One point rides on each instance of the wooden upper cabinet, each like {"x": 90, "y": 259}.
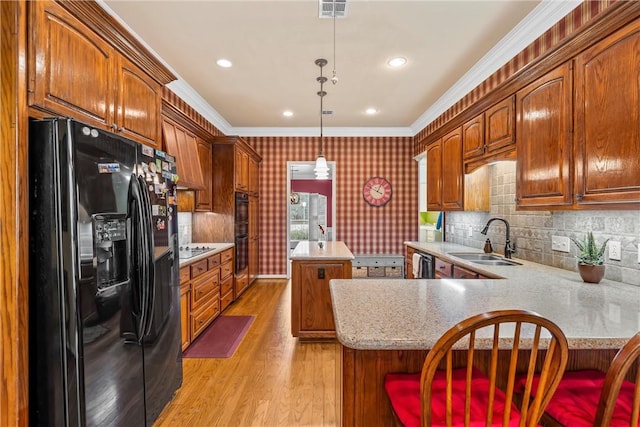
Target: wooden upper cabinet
{"x": 183, "y": 146}
{"x": 139, "y": 101}
{"x": 544, "y": 147}
{"x": 76, "y": 73}
{"x": 71, "y": 69}
{"x": 473, "y": 137}
{"x": 434, "y": 175}
{"x": 500, "y": 126}
{"x": 242, "y": 170}
{"x": 204, "y": 198}
{"x": 607, "y": 134}
{"x": 452, "y": 171}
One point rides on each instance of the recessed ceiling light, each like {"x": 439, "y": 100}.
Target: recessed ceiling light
{"x": 287, "y": 113}
{"x": 224, "y": 63}
{"x": 397, "y": 62}
{"x": 371, "y": 111}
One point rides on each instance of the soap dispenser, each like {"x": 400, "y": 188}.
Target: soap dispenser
{"x": 487, "y": 247}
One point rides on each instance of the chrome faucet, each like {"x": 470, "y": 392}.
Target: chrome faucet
{"x": 508, "y": 247}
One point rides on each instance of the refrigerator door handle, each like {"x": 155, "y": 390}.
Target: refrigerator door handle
{"x": 137, "y": 259}
{"x": 149, "y": 258}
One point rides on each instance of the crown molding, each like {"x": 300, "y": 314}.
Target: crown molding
{"x": 545, "y": 15}
{"x": 327, "y": 132}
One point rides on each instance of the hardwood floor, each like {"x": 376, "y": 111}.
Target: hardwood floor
{"x": 271, "y": 380}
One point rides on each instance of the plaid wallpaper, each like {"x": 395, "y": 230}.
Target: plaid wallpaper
{"x": 553, "y": 37}
{"x": 364, "y": 229}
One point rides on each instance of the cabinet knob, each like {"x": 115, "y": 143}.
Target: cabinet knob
{"x": 579, "y": 196}
{"x": 516, "y": 199}
{"x": 113, "y": 126}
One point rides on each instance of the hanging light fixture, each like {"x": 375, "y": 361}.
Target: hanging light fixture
{"x": 334, "y": 77}
{"x": 321, "y": 169}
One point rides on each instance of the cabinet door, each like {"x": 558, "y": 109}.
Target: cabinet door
{"x": 543, "y": 129}
{"x": 204, "y": 197}
{"x": 185, "y": 310}
{"x": 71, "y": 69}
{"x": 452, "y": 172}
{"x": 607, "y": 121}
{"x": 500, "y": 126}
{"x": 316, "y": 312}
{"x": 473, "y": 137}
{"x": 139, "y": 100}
{"x": 434, "y": 176}
{"x": 242, "y": 170}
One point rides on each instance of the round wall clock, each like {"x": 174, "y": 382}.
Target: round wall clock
{"x": 377, "y": 191}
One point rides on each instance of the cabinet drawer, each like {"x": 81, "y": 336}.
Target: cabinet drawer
{"x": 197, "y": 268}
{"x": 242, "y": 282}
{"x": 463, "y": 273}
{"x": 213, "y": 261}
{"x": 185, "y": 274}
{"x": 226, "y": 255}
{"x": 226, "y": 299}
{"x": 203, "y": 288}
{"x": 201, "y": 319}
{"x": 226, "y": 270}
{"x": 226, "y": 285}
{"x": 444, "y": 268}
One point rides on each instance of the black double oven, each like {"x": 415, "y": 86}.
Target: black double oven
{"x": 242, "y": 231}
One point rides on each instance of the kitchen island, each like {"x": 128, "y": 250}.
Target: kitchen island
{"x": 312, "y": 267}
{"x": 389, "y": 325}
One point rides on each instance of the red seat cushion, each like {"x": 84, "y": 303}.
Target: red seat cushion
{"x": 404, "y": 393}
{"x": 576, "y": 399}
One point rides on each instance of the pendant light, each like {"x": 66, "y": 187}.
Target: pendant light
{"x": 321, "y": 169}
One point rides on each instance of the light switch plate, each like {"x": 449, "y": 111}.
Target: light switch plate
{"x": 470, "y": 231}
{"x": 560, "y": 243}
{"x": 615, "y": 250}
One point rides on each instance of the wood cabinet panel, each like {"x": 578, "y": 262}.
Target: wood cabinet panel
{"x": 241, "y": 284}
{"x": 198, "y": 268}
{"x": 607, "y": 133}
{"x": 204, "y": 197}
{"x": 408, "y": 263}
{"x": 452, "y": 171}
{"x": 254, "y": 176}
{"x": 434, "y": 176}
{"x": 473, "y": 137}
{"x": 201, "y": 319}
{"x": 71, "y": 68}
{"x": 205, "y": 288}
{"x": 311, "y": 308}
{"x": 183, "y": 146}
{"x": 138, "y": 104}
{"x": 443, "y": 269}
{"x": 226, "y": 255}
{"x": 500, "y": 125}
{"x": 463, "y": 273}
{"x": 242, "y": 170}
{"x": 185, "y": 310}
{"x": 544, "y": 146}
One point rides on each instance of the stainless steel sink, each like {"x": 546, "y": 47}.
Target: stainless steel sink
{"x": 483, "y": 259}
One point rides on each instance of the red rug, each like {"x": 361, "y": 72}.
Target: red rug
{"x": 221, "y": 338}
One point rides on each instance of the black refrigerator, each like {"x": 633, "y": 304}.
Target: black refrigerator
{"x": 104, "y": 295}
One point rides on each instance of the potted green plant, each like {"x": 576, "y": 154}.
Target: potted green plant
{"x": 590, "y": 258}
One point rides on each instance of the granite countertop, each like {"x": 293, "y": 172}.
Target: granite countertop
{"x": 412, "y": 314}
{"x": 306, "y": 250}
{"x": 219, "y": 247}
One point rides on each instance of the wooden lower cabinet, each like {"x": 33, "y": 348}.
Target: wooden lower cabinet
{"x": 443, "y": 269}
{"x": 206, "y": 289}
{"x": 242, "y": 283}
{"x": 311, "y": 308}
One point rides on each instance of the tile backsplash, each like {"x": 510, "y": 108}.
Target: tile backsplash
{"x": 532, "y": 230}
{"x": 184, "y": 227}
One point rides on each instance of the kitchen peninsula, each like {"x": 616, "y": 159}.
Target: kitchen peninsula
{"x": 389, "y": 325}
{"x": 313, "y": 266}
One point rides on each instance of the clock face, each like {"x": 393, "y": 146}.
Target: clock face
{"x": 377, "y": 191}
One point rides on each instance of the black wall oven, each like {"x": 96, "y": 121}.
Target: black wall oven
{"x": 242, "y": 231}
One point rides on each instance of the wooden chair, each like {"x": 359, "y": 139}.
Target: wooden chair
{"x": 457, "y": 396}
{"x": 592, "y": 398}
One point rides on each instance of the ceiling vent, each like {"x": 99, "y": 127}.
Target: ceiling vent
{"x": 325, "y": 8}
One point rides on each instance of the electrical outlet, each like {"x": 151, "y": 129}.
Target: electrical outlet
{"x": 470, "y": 231}
{"x": 615, "y": 250}
{"x": 560, "y": 243}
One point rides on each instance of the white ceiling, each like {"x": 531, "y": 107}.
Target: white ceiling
{"x": 451, "y": 46}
